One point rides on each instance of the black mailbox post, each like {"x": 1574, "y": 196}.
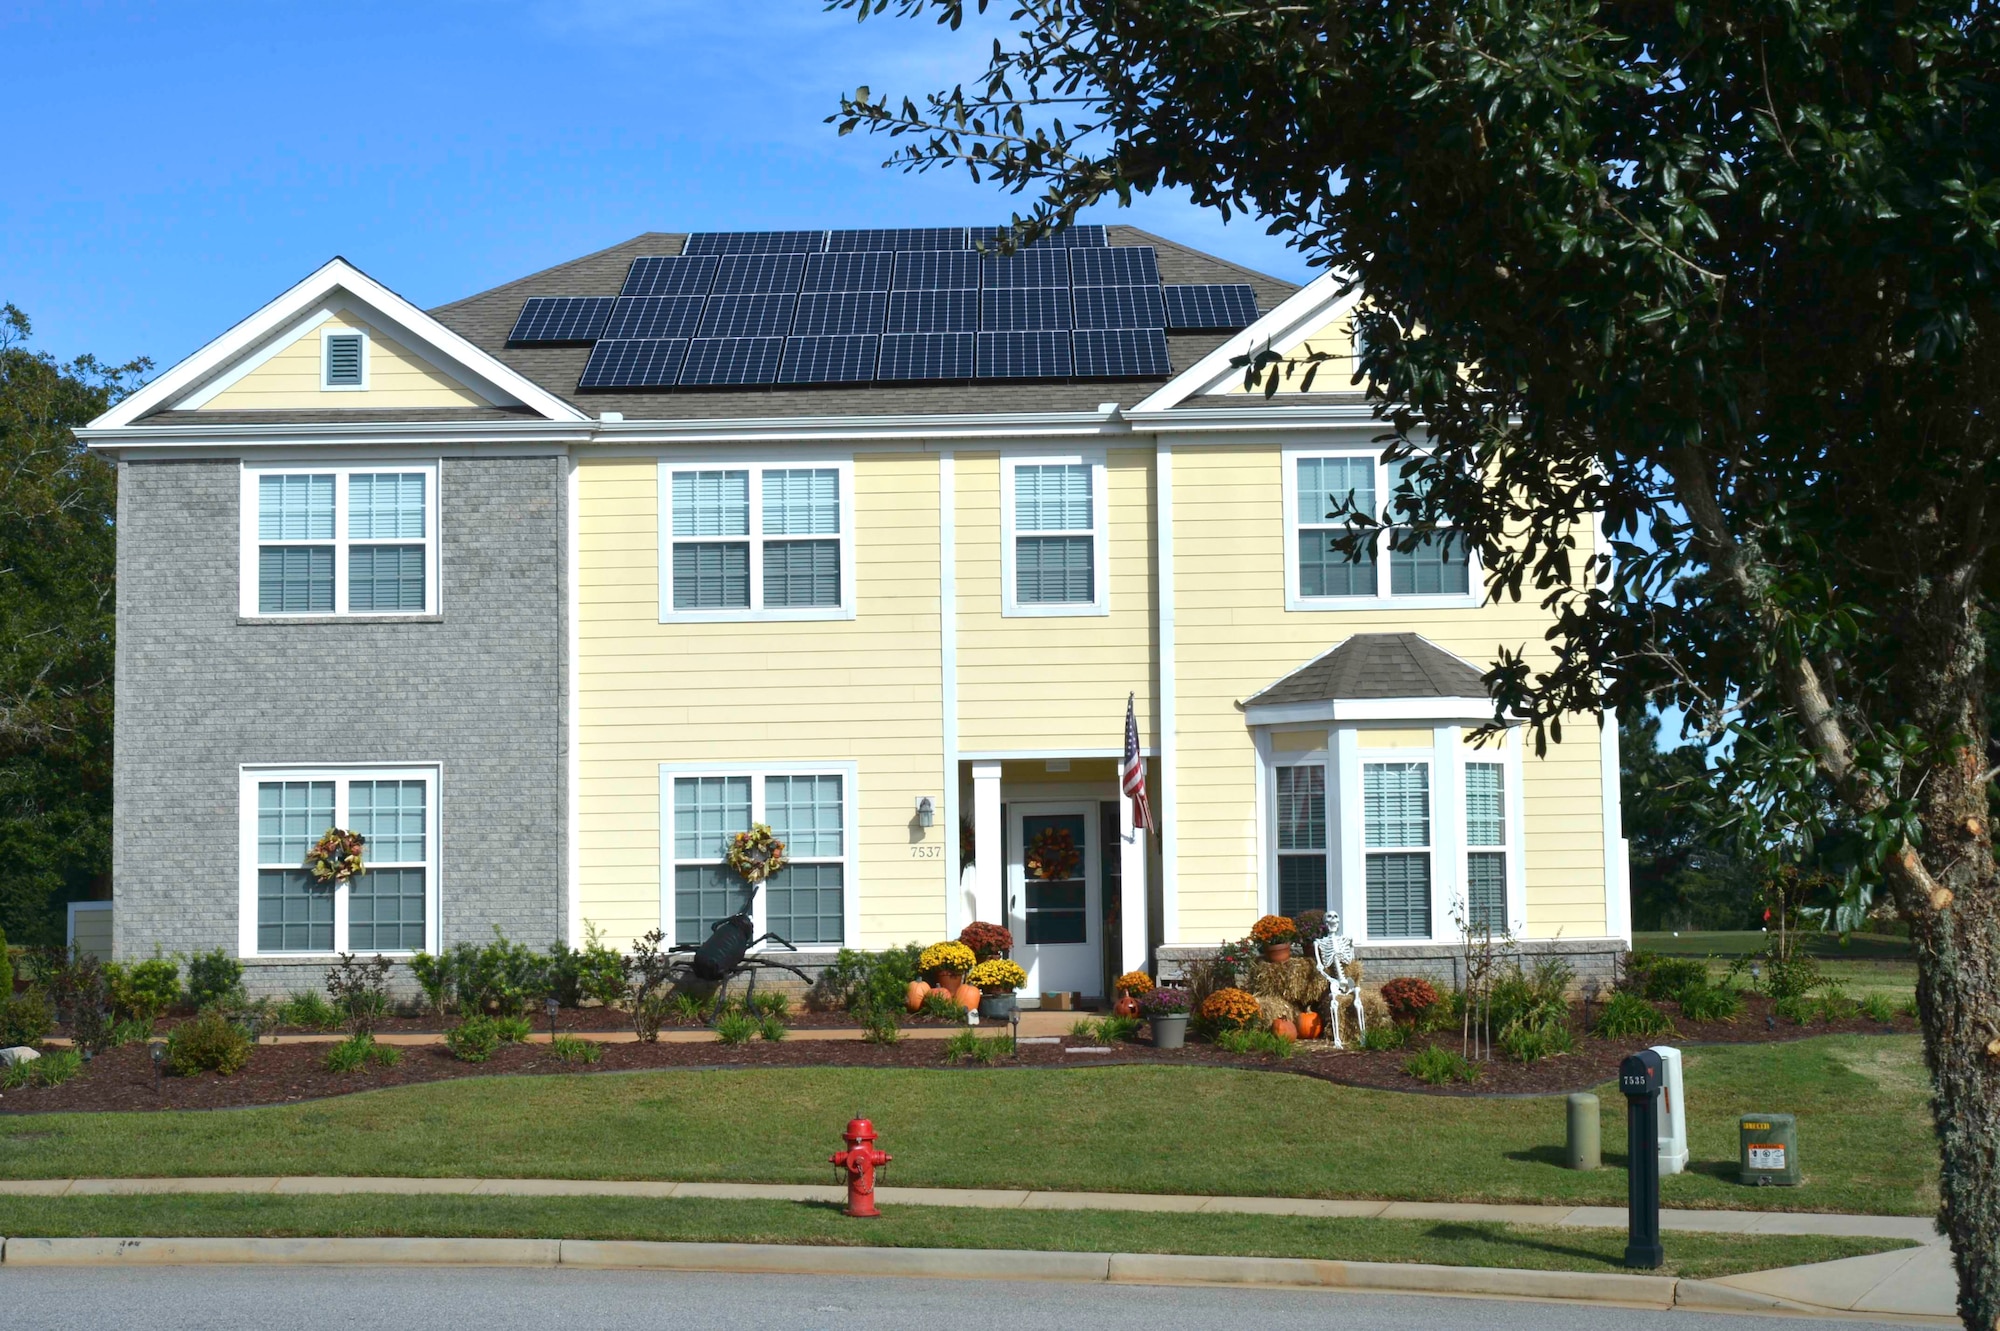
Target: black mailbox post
{"x": 1639, "y": 1079}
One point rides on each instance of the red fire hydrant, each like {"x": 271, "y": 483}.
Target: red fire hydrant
{"x": 860, "y": 1160}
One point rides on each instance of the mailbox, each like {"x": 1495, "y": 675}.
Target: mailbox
{"x": 1768, "y": 1146}
{"x": 1640, "y": 1081}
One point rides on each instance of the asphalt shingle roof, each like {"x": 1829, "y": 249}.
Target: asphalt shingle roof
{"x": 1377, "y": 665}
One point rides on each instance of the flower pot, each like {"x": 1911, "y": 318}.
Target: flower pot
{"x": 1278, "y": 952}
{"x": 997, "y": 1007}
{"x": 1170, "y": 1030}
{"x": 947, "y": 982}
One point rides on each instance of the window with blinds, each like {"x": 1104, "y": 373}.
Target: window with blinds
{"x": 1486, "y": 846}
{"x": 1328, "y": 493}
{"x": 1054, "y": 562}
{"x": 1299, "y": 801}
{"x": 341, "y": 541}
{"x": 1396, "y": 839}
{"x": 388, "y": 906}
{"x": 804, "y": 902}
{"x": 746, "y": 540}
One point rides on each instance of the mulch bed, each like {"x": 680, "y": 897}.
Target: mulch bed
{"x": 124, "y": 1078}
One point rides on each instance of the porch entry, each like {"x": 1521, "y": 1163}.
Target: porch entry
{"x": 1057, "y": 922}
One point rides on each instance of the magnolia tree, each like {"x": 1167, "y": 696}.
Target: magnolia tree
{"x": 1722, "y": 273}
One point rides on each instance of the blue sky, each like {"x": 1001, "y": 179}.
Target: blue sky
{"x": 175, "y": 166}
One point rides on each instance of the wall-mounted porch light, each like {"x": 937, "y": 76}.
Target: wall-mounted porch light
{"x": 926, "y": 811}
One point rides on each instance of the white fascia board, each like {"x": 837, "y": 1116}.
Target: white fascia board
{"x": 1304, "y": 311}
{"x": 336, "y": 275}
{"x": 1336, "y": 710}
{"x": 972, "y": 425}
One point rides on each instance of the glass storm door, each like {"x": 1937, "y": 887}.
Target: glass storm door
{"x": 1055, "y": 920}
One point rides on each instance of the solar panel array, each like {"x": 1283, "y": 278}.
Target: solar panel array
{"x": 901, "y": 305}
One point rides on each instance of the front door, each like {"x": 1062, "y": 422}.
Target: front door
{"x": 1056, "y": 918}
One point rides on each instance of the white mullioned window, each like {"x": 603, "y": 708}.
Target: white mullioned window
{"x": 391, "y": 907}
{"x": 1396, "y": 841}
{"x": 1299, "y": 801}
{"x": 340, "y": 540}
{"x": 756, "y": 540}
{"x": 1054, "y": 556}
{"x": 1323, "y": 489}
{"x": 1486, "y": 845}
{"x": 809, "y": 902}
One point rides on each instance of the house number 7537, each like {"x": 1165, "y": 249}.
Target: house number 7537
{"x": 926, "y": 852}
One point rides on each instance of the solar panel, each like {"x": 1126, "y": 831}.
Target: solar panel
{"x": 755, "y": 242}
{"x": 1211, "y": 306}
{"x": 747, "y": 316}
{"x": 548, "y": 319}
{"x": 1121, "y": 353}
{"x": 1125, "y": 266}
{"x": 1024, "y": 308}
{"x": 1075, "y": 237}
{"x": 828, "y": 312}
{"x": 828, "y": 360}
{"x": 866, "y": 270}
{"x": 936, "y": 270}
{"x": 926, "y": 356}
{"x": 1120, "y": 307}
{"x": 634, "y": 363}
{"x": 654, "y": 316}
{"x": 669, "y": 275}
{"x": 731, "y": 360}
{"x": 746, "y": 274}
{"x": 933, "y": 312}
{"x": 1029, "y": 268}
{"x": 899, "y": 238}
{"x": 1024, "y": 355}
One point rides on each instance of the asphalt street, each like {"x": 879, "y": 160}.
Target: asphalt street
{"x": 232, "y": 1298}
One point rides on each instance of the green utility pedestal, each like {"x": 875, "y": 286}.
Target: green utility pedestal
{"x": 1768, "y": 1146}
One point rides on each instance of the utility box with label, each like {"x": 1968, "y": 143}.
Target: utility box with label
{"x": 1769, "y": 1150}
{"x": 1673, "y": 1112}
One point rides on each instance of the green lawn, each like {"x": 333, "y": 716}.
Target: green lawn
{"x": 1865, "y": 1132}
{"x": 1866, "y": 964}
{"x": 708, "y": 1221}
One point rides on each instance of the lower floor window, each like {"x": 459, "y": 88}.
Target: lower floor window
{"x": 1486, "y": 891}
{"x": 1399, "y": 896}
{"x": 386, "y": 907}
{"x": 804, "y": 902}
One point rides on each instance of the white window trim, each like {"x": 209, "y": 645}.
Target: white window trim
{"x": 247, "y": 605}
{"x": 342, "y": 775}
{"x": 1472, "y": 598}
{"x": 367, "y": 345}
{"x": 1341, "y": 753}
{"x": 756, "y": 611}
{"x": 1100, "y": 537}
{"x": 850, "y": 840}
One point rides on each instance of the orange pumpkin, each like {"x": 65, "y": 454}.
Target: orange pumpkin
{"x": 914, "y": 997}
{"x": 1126, "y": 1006}
{"x": 1284, "y": 1029}
{"x": 1311, "y": 1027}
{"x": 967, "y": 997}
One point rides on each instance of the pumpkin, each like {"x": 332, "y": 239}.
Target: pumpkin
{"x": 1310, "y": 1025}
{"x": 967, "y": 997}
{"x": 914, "y": 997}
{"x": 1284, "y": 1029}
{"x": 1126, "y": 1006}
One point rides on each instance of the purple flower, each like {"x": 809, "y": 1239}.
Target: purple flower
{"x": 1164, "y": 1002}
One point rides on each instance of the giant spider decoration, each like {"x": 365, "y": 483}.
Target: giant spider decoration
{"x": 725, "y": 953}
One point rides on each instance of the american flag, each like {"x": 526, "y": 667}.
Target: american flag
{"x": 1132, "y": 773}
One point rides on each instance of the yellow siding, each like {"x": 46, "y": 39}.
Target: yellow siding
{"x": 396, "y": 378}
{"x": 1395, "y": 739}
{"x": 1336, "y": 374}
{"x": 865, "y": 690}
{"x": 1056, "y": 683}
{"x": 1233, "y": 637}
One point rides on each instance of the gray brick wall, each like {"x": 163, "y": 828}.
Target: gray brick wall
{"x": 478, "y": 690}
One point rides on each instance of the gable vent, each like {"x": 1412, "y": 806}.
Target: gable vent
{"x": 343, "y": 360}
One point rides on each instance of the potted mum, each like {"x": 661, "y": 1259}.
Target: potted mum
{"x": 996, "y": 981}
{"x": 987, "y": 941}
{"x": 1275, "y": 934}
{"x": 1167, "y": 1009}
{"x": 945, "y": 965}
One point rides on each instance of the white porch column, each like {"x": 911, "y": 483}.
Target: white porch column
{"x": 989, "y": 872}
{"x": 1133, "y": 924}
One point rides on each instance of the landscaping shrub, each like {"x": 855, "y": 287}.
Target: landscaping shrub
{"x": 880, "y": 1028}
{"x": 1653, "y": 977}
{"x": 143, "y": 990}
{"x": 128, "y": 1032}
{"x": 570, "y": 1049}
{"x": 1437, "y": 1066}
{"x": 308, "y": 1010}
{"x": 26, "y": 1019}
{"x": 76, "y": 984}
{"x": 437, "y": 976}
{"x": 1204, "y": 977}
{"x": 16, "y": 1075}
{"x": 6, "y": 969}
{"x": 513, "y": 1030}
{"x": 1879, "y": 1007}
{"x": 360, "y": 991}
{"x": 1709, "y": 1002}
{"x": 1229, "y": 1010}
{"x": 1626, "y": 1015}
{"x": 502, "y": 978}
{"x": 209, "y": 1043}
{"x": 1384, "y": 1035}
{"x": 1528, "y": 999}
{"x": 1828, "y": 1004}
{"x": 770, "y": 1003}
{"x": 735, "y": 1027}
{"x": 872, "y": 983}
{"x": 1527, "y": 1041}
{"x": 1409, "y": 999}
{"x": 473, "y": 1040}
{"x": 1257, "y": 1041}
{"x": 1786, "y": 977}
{"x": 215, "y": 980}
{"x": 55, "y": 1067}
{"x": 600, "y": 970}
{"x": 942, "y": 1006}
{"x": 771, "y": 1027}
{"x": 967, "y": 1047}
{"x": 689, "y": 1008}
{"x": 359, "y": 1051}
{"x": 648, "y": 973}
{"x": 1115, "y": 1028}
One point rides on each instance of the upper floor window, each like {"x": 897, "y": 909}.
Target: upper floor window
{"x": 747, "y": 542}
{"x": 1053, "y": 554}
{"x": 340, "y": 540}
{"x": 1323, "y": 491}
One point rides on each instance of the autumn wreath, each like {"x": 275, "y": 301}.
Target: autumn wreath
{"x": 336, "y": 856}
{"x": 1053, "y": 854}
{"x": 756, "y": 854}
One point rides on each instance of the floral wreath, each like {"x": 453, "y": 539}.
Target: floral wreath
{"x": 336, "y": 856}
{"x": 756, "y": 854}
{"x": 1054, "y": 854}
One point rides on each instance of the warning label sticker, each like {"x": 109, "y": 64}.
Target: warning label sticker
{"x": 1764, "y": 1156}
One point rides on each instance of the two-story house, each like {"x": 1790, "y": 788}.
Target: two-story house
{"x": 866, "y": 535}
